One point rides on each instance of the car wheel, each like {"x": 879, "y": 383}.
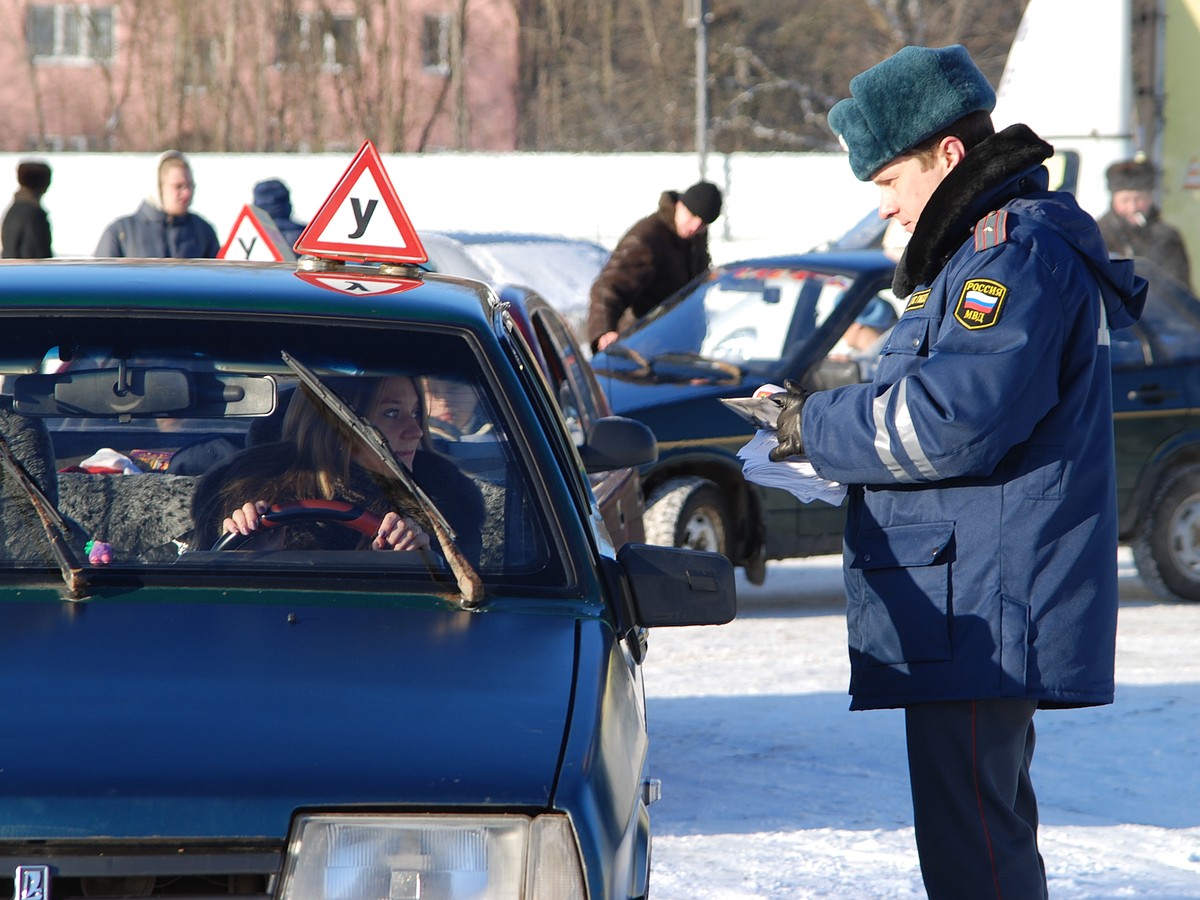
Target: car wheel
{"x": 1167, "y": 550}
{"x": 687, "y": 512}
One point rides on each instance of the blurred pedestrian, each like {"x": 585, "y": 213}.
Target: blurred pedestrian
{"x": 163, "y": 227}
{"x": 655, "y": 258}
{"x": 1133, "y": 225}
{"x": 26, "y": 230}
{"x": 274, "y": 198}
{"x": 981, "y": 534}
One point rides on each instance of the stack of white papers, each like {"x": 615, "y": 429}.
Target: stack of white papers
{"x": 795, "y": 475}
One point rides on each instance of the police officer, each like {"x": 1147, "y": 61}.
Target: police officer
{"x": 980, "y": 552}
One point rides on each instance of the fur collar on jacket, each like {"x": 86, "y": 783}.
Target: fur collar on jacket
{"x": 957, "y": 203}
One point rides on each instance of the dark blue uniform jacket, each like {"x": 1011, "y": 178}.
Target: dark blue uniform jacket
{"x": 980, "y": 546}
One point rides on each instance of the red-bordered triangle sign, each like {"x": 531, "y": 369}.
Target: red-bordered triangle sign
{"x": 359, "y": 285}
{"x": 255, "y": 236}
{"x": 363, "y": 218}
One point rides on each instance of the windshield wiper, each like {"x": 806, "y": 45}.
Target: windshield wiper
{"x": 56, "y": 527}
{"x": 644, "y": 367}
{"x": 692, "y": 358}
{"x": 469, "y": 582}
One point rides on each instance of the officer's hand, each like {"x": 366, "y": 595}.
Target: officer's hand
{"x": 787, "y": 429}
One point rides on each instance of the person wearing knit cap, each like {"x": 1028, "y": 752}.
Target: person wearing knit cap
{"x": 1133, "y": 225}
{"x": 274, "y": 198}
{"x": 655, "y": 258}
{"x": 25, "y": 233}
{"x": 981, "y": 531}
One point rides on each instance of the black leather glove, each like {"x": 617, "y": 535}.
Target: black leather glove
{"x": 787, "y": 428}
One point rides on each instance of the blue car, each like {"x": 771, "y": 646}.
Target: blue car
{"x": 821, "y": 318}
{"x": 269, "y": 632}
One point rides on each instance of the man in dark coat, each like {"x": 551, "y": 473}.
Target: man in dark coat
{"x": 981, "y": 533}
{"x": 655, "y": 258}
{"x": 163, "y": 227}
{"x": 1133, "y": 225}
{"x": 26, "y": 229}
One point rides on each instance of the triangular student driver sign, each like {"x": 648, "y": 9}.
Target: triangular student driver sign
{"x": 363, "y": 218}
{"x": 255, "y": 236}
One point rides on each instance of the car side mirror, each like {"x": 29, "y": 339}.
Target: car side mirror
{"x": 615, "y": 442}
{"x": 676, "y": 586}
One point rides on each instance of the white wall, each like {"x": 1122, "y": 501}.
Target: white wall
{"x": 774, "y": 203}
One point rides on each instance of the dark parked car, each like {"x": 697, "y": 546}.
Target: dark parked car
{"x": 297, "y": 716}
{"x": 764, "y": 320}
{"x": 618, "y": 490}
{"x": 559, "y": 268}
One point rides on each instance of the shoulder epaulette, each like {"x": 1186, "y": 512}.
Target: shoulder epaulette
{"x": 991, "y": 230}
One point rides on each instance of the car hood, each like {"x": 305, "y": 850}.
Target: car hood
{"x": 232, "y": 716}
{"x": 681, "y": 409}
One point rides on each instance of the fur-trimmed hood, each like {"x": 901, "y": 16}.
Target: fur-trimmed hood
{"x": 1001, "y": 169}
{"x": 974, "y": 187}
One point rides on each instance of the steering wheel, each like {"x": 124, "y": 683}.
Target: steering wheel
{"x": 348, "y": 515}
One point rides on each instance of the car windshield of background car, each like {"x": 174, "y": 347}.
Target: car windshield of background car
{"x": 742, "y": 316}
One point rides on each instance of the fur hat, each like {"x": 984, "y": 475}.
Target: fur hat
{"x": 1131, "y": 175}
{"x": 704, "y": 200}
{"x": 911, "y": 96}
{"x": 33, "y": 175}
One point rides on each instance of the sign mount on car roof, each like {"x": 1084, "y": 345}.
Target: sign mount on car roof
{"x": 363, "y": 218}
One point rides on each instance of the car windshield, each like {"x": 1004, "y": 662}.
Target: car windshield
{"x": 147, "y": 435}
{"x": 736, "y": 318}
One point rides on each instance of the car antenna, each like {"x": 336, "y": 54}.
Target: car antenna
{"x": 469, "y": 582}
{"x": 53, "y": 523}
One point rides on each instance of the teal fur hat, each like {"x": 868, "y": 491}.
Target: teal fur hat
{"x": 898, "y": 103}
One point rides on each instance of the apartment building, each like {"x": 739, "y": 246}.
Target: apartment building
{"x": 258, "y": 75}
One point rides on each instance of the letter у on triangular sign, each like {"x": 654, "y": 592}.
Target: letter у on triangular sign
{"x": 363, "y": 219}
{"x": 255, "y": 236}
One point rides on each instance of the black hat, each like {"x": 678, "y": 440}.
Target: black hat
{"x": 1131, "y": 175}
{"x": 34, "y": 175}
{"x": 704, "y": 200}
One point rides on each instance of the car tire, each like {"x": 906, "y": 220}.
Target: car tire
{"x": 1167, "y": 549}
{"x": 688, "y": 512}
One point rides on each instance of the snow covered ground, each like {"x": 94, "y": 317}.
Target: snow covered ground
{"x": 773, "y": 789}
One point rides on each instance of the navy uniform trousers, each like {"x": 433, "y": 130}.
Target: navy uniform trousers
{"x": 973, "y": 802}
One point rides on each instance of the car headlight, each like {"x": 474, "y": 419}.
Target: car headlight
{"x": 432, "y": 857}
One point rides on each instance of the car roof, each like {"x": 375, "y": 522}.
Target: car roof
{"x": 208, "y": 286}
{"x": 514, "y": 237}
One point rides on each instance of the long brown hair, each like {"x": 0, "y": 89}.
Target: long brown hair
{"x": 310, "y": 461}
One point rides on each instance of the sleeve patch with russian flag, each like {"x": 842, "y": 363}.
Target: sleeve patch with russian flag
{"x": 980, "y": 303}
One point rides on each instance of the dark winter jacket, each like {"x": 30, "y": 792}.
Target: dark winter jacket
{"x": 26, "y": 229}
{"x": 980, "y": 546}
{"x": 649, "y": 264}
{"x": 273, "y": 197}
{"x": 150, "y": 233}
{"x": 1155, "y": 240}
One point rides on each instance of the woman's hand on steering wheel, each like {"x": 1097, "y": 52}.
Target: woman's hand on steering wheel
{"x": 397, "y": 532}
{"x": 247, "y": 519}
{"x": 258, "y": 517}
